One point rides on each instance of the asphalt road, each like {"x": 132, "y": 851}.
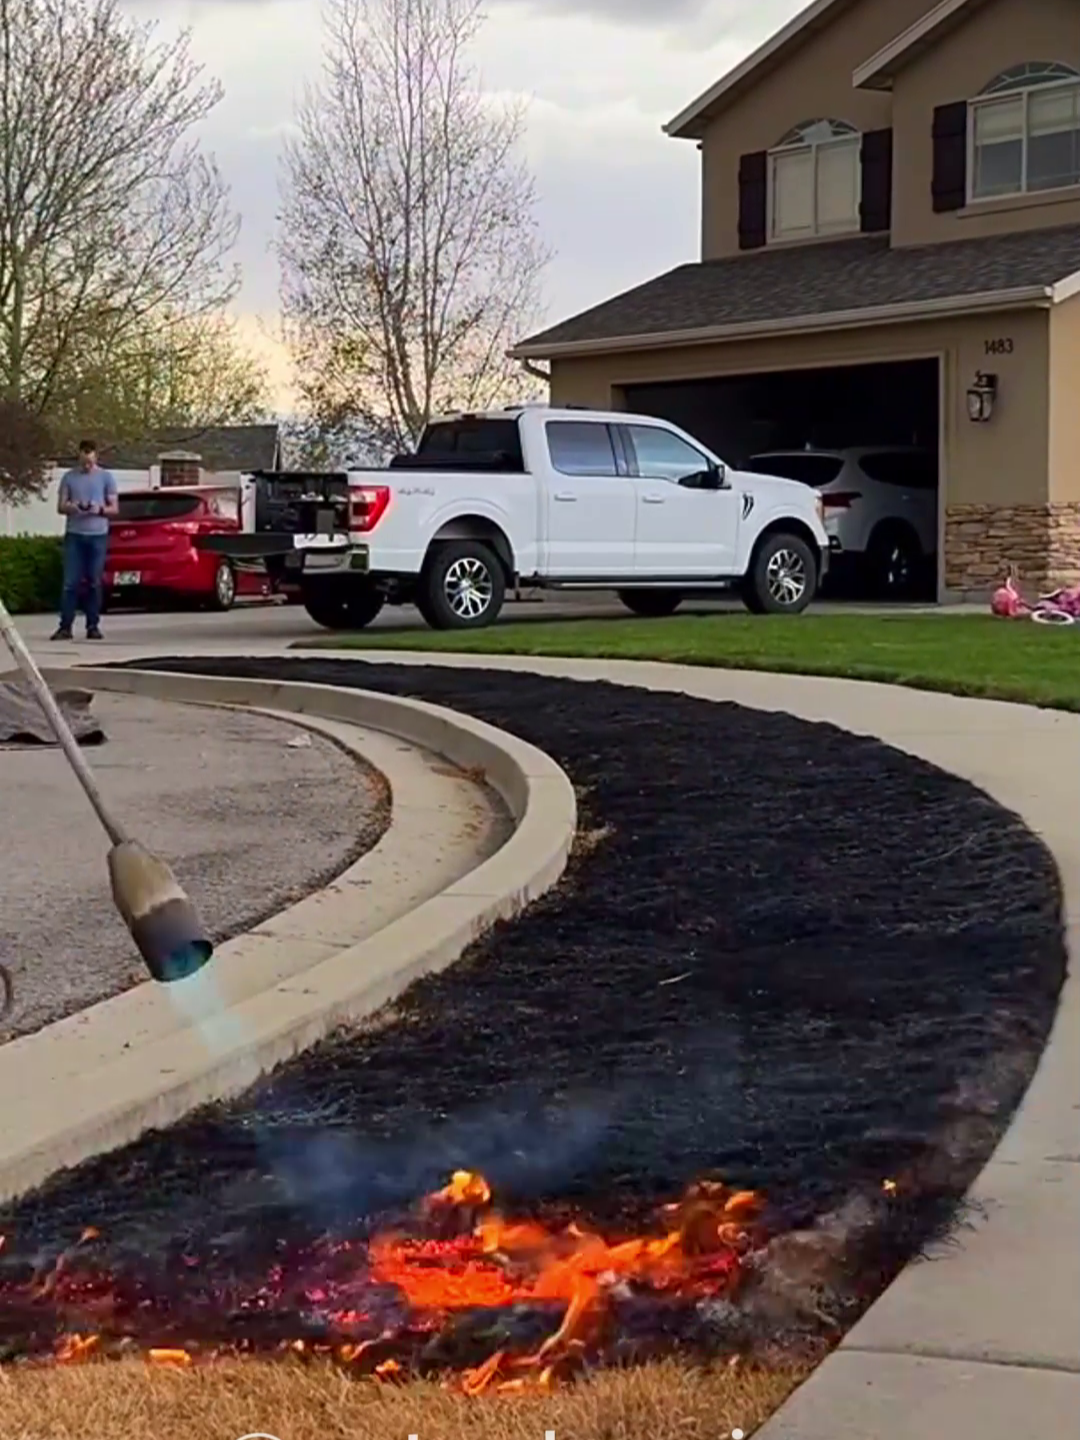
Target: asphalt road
{"x": 224, "y": 803}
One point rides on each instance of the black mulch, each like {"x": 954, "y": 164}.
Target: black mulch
{"x": 793, "y": 957}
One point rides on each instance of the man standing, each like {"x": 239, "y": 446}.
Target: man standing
{"x": 87, "y": 498}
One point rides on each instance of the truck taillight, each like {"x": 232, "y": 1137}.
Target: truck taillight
{"x": 367, "y": 505}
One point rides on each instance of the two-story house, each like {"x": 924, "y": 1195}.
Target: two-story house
{"x": 890, "y": 243}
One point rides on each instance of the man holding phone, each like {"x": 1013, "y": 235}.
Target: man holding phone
{"x": 88, "y": 499}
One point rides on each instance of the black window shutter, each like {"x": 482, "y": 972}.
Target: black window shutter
{"x": 753, "y": 200}
{"x": 949, "y": 187}
{"x": 875, "y": 206}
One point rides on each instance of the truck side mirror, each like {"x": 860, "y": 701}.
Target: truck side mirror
{"x": 711, "y": 478}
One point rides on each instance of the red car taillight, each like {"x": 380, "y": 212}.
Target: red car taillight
{"x": 367, "y": 505}
{"x": 839, "y": 499}
{"x": 183, "y": 527}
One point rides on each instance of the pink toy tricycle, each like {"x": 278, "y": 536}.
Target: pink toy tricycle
{"x": 1060, "y": 607}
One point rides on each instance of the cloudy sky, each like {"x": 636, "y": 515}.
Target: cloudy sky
{"x": 600, "y": 76}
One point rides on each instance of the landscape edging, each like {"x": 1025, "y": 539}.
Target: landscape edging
{"x": 129, "y": 1097}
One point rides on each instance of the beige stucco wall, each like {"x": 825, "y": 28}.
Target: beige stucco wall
{"x": 1065, "y": 401}
{"x": 1001, "y": 34}
{"x": 815, "y": 82}
{"x": 1003, "y": 462}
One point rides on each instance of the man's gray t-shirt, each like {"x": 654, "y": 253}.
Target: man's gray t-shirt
{"x": 88, "y": 487}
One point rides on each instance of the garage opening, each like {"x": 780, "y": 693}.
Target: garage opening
{"x": 866, "y": 436}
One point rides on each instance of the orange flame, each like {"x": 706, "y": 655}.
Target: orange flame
{"x": 180, "y": 1358}
{"x": 500, "y": 1263}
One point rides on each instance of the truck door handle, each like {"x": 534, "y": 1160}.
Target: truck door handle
{"x": 565, "y": 498}
{"x": 653, "y": 499}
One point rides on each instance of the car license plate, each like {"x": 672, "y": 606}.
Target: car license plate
{"x": 315, "y": 561}
{"x": 127, "y": 577}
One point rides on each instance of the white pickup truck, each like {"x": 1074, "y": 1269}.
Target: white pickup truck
{"x": 569, "y": 499}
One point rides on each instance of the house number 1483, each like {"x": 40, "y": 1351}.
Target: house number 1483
{"x": 1002, "y": 346}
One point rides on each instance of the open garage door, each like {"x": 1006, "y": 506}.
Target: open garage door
{"x": 866, "y": 436}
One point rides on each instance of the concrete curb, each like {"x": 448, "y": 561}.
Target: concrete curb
{"x": 152, "y": 1087}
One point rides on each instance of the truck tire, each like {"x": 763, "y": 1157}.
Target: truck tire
{"x": 652, "y": 604}
{"x": 337, "y": 605}
{"x": 462, "y": 586}
{"x": 783, "y": 576}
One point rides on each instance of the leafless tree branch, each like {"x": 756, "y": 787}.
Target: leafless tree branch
{"x": 409, "y": 247}
{"x": 111, "y": 217}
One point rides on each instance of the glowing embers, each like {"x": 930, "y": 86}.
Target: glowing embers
{"x": 403, "y": 1301}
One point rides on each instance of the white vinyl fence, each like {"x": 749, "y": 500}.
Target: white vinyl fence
{"x": 39, "y": 517}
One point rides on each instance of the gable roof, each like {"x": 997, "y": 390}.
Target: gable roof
{"x": 855, "y": 282}
{"x": 878, "y": 72}
{"x": 220, "y": 447}
{"x": 690, "y": 123}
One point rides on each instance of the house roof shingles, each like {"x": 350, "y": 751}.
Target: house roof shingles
{"x": 222, "y": 448}
{"x": 838, "y": 277}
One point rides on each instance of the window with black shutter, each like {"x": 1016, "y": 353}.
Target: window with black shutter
{"x": 753, "y": 200}
{"x": 875, "y": 206}
{"x": 949, "y": 187}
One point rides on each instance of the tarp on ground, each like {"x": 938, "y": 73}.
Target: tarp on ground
{"x": 23, "y": 722}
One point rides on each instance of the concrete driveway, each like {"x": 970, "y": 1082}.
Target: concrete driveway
{"x": 276, "y": 626}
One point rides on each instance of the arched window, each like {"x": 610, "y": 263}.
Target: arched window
{"x": 817, "y": 132}
{"x": 1025, "y": 131}
{"x": 814, "y": 181}
{"x": 1035, "y": 72}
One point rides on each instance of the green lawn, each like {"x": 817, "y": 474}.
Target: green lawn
{"x": 965, "y": 654}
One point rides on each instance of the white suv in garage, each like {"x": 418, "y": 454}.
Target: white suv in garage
{"x": 881, "y": 508}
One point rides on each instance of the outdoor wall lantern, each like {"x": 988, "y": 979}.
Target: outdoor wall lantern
{"x": 981, "y": 397}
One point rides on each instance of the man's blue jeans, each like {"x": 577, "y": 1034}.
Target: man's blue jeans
{"x": 84, "y": 565}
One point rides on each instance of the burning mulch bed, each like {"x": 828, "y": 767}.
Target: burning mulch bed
{"x": 703, "y": 1098}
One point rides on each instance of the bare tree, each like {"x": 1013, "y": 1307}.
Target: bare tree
{"x": 410, "y": 254}
{"x": 110, "y": 215}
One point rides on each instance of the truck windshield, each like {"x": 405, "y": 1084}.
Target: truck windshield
{"x": 479, "y": 442}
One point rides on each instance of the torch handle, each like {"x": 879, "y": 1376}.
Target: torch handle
{"x": 61, "y": 729}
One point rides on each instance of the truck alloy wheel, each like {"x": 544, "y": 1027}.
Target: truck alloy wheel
{"x": 468, "y": 588}
{"x": 463, "y": 586}
{"x": 782, "y": 578}
{"x": 786, "y": 577}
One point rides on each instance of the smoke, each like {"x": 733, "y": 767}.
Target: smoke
{"x": 337, "y": 1178}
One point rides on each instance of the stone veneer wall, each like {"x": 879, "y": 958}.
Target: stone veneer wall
{"x": 1040, "y": 542}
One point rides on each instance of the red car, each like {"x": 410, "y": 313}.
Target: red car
{"x": 152, "y": 554}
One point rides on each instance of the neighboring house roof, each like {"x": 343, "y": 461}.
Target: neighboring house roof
{"x": 877, "y": 73}
{"x": 861, "y": 281}
{"x": 690, "y": 123}
{"x": 220, "y": 447}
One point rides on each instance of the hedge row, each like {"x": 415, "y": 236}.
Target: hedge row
{"x": 31, "y": 572}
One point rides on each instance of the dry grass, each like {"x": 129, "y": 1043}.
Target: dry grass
{"x": 131, "y": 1400}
